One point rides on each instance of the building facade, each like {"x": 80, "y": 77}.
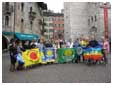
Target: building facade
{"x": 48, "y": 20}
{"x": 85, "y": 18}
{"x": 58, "y": 26}
{"x": 54, "y": 25}
{"x": 21, "y": 17}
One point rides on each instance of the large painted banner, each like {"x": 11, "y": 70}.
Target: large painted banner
{"x": 42, "y": 55}
{"x": 67, "y": 55}
{"x": 49, "y": 54}
{"x": 92, "y": 53}
{"x": 31, "y": 57}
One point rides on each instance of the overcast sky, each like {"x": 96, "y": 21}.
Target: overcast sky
{"x": 55, "y": 5}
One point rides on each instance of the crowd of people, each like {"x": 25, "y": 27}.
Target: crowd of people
{"x": 17, "y": 47}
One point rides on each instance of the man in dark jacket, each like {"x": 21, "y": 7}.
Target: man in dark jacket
{"x": 93, "y": 42}
{"x": 26, "y": 45}
{"x": 13, "y": 52}
{"x": 48, "y": 44}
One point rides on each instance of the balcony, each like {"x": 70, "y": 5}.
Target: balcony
{"x": 7, "y": 9}
{"x": 32, "y": 15}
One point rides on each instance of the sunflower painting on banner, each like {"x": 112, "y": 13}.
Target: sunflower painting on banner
{"x": 49, "y": 54}
{"x": 67, "y": 55}
{"x": 31, "y": 57}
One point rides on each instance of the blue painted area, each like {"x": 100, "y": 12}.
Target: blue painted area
{"x": 48, "y": 58}
{"x": 21, "y": 36}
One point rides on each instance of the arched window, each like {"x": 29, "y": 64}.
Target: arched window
{"x": 6, "y": 20}
{"x": 95, "y": 18}
{"x": 22, "y": 7}
{"x": 22, "y": 23}
{"x": 92, "y": 18}
{"x": 31, "y": 9}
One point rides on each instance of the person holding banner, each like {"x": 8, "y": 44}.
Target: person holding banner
{"x": 48, "y": 44}
{"x": 13, "y": 53}
{"x": 93, "y": 42}
{"x": 33, "y": 44}
{"x": 26, "y": 45}
{"x": 19, "y": 56}
{"x": 40, "y": 44}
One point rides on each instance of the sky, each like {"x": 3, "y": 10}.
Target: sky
{"x": 55, "y": 5}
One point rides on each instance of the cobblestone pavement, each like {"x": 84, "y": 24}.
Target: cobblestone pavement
{"x": 57, "y": 73}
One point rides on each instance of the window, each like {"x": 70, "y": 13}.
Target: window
{"x": 59, "y": 25}
{"x": 6, "y": 20}
{"x": 54, "y": 25}
{"x": 50, "y": 30}
{"x": 62, "y": 25}
{"x": 7, "y": 5}
{"x": 46, "y": 19}
{"x": 31, "y": 9}
{"x": 50, "y": 24}
{"x": 95, "y": 18}
{"x": 59, "y": 18}
{"x": 92, "y": 18}
{"x": 49, "y": 18}
{"x": 22, "y": 7}
{"x": 31, "y": 24}
{"x": 88, "y": 21}
{"x": 22, "y": 20}
{"x": 22, "y": 23}
{"x": 52, "y": 18}
{"x": 62, "y": 18}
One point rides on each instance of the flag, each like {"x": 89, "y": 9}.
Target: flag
{"x": 92, "y": 53}
{"x": 31, "y": 57}
{"x": 43, "y": 57}
{"x": 67, "y": 55}
{"x": 49, "y": 54}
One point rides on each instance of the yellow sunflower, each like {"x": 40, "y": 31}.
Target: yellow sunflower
{"x": 49, "y": 53}
{"x": 68, "y": 52}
